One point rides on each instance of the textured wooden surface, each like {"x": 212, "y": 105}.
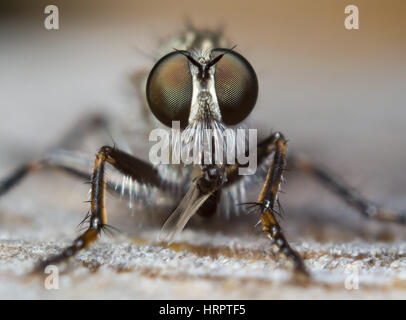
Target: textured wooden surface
{"x": 220, "y": 258}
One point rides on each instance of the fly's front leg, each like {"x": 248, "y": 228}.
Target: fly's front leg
{"x": 274, "y": 145}
{"x": 268, "y": 202}
{"x": 127, "y": 165}
{"x": 351, "y": 196}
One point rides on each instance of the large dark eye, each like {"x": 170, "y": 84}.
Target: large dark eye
{"x": 169, "y": 89}
{"x": 236, "y": 86}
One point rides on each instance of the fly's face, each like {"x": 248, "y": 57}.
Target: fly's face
{"x": 205, "y": 89}
{"x": 202, "y": 86}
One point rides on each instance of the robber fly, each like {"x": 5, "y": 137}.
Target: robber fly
{"x": 201, "y": 82}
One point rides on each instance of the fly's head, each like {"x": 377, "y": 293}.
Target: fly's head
{"x": 202, "y": 87}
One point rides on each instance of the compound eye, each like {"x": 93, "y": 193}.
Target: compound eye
{"x": 169, "y": 89}
{"x": 236, "y": 86}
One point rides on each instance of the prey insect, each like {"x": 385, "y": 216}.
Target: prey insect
{"x": 203, "y": 84}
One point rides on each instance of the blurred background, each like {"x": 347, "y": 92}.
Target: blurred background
{"x": 334, "y": 92}
{"x": 337, "y": 94}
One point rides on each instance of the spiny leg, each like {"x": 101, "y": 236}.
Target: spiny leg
{"x": 268, "y": 199}
{"x": 351, "y": 196}
{"x": 128, "y": 166}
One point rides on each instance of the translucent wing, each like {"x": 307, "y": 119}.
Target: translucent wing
{"x": 190, "y": 203}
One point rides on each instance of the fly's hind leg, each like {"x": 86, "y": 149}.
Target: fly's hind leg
{"x": 127, "y": 165}
{"x": 71, "y": 162}
{"x": 74, "y": 163}
{"x": 348, "y": 194}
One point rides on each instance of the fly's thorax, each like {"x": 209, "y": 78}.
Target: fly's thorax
{"x": 192, "y": 39}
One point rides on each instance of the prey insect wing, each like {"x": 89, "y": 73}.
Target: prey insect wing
{"x": 190, "y": 203}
